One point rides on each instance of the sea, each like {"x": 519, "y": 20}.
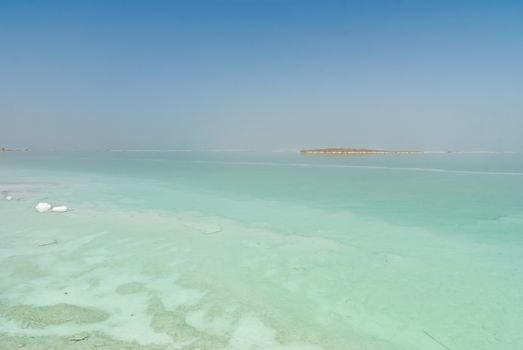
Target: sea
{"x": 244, "y": 250}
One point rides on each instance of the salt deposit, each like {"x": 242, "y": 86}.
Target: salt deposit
{"x": 42, "y": 207}
{"x": 60, "y": 209}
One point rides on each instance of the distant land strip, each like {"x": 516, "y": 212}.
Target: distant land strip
{"x": 6, "y": 149}
{"x": 356, "y": 151}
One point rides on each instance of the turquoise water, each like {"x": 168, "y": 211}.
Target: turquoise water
{"x": 240, "y": 251}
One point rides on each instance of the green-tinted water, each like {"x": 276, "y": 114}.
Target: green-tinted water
{"x": 214, "y": 250}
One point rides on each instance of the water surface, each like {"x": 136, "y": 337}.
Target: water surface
{"x": 244, "y": 250}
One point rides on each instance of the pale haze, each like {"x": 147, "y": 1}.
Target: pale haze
{"x": 170, "y": 176}
{"x": 261, "y": 75}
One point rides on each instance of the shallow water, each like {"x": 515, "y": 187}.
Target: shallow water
{"x": 239, "y": 251}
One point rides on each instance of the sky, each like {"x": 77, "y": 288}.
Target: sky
{"x": 261, "y": 74}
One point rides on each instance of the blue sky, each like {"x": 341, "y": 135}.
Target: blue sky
{"x": 262, "y": 74}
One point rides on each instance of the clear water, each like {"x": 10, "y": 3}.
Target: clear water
{"x": 240, "y": 251}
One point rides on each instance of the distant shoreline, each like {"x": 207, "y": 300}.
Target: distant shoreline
{"x": 356, "y": 151}
{"x": 6, "y": 149}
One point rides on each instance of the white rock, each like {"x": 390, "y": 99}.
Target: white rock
{"x": 59, "y": 209}
{"x": 42, "y": 206}
{"x": 8, "y": 198}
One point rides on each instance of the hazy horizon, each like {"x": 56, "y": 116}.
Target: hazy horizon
{"x": 261, "y": 75}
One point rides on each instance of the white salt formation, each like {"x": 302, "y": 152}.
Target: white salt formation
{"x": 60, "y": 209}
{"x": 42, "y": 206}
{"x": 47, "y": 242}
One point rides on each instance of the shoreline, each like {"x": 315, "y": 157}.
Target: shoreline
{"x": 356, "y": 151}
{"x": 7, "y": 149}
